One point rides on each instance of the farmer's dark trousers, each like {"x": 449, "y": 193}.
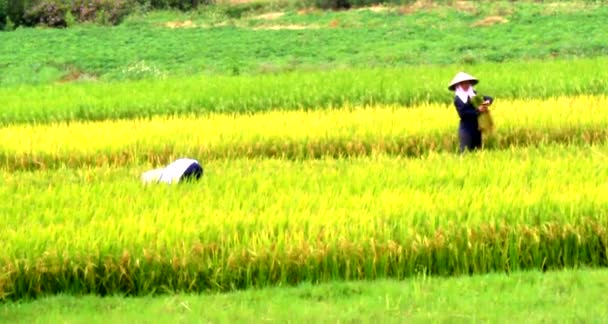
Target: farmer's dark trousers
{"x": 470, "y": 139}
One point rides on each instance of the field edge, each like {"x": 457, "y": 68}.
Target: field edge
{"x": 533, "y": 296}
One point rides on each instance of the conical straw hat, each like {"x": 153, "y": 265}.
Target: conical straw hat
{"x": 461, "y": 76}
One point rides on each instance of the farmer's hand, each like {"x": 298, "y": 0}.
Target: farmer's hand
{"x": 483, "y": 108}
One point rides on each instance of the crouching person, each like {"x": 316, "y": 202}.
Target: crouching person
{"x": 178, "y": 171}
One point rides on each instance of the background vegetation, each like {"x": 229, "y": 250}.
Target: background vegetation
{"x": 161, "y": 44}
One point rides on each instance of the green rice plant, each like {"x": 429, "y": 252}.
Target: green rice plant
{"x": 201, "y": 95}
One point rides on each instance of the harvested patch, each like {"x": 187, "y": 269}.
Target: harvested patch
{"x": 287, "y": 27}
{"x": 489, "y": 21}
{"x": 180, "y": 24}
{"x": 568, "y": 7}
{"x": 465, "y": 6}
{"x": 378, "y": 8}
{"x": 235, "y": 1}
{"x": 306, "y": 11}
{"x": 375, "y": 8}
{"x": 428, "y": 5}
{"x": 270, "y": 16}
{"x": 75, "y": 75}
{"x": 418, "y": 5}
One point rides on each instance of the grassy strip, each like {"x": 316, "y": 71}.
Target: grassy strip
{"x": 298, "y": 135}
{"x": 147, "y": 49}
{"x": 570, "y": 296}
{"x": 252, "y": 223}
{"x": 295, "y": 91}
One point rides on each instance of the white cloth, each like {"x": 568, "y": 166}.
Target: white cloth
{"x": 465, "y": 95}
{"x": 151, "y": 176}
{"x": 174, "y": 171}
{"x": 170, "y": 174}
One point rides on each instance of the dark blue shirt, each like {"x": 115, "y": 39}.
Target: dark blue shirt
{"x": 468, "y": 113}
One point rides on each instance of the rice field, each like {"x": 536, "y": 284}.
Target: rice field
{"x": 201, "y": 95}
{"x": 357, "y": 192}
{"x": 350, "y": 131}
{"x": 329, "y": 150}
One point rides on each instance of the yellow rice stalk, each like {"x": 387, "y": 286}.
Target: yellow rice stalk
{"x": 486, "y": 124}
{"x": 354, "y": 130}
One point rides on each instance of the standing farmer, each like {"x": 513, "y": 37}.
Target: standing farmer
{"x": 468, "y": 131}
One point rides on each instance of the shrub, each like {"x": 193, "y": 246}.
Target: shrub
{"x": 174, "y": 4}
{"x": 332, "y": 4}
{"x": 54, "y": 13}
{"x": 14, "y": 10}
{"x": 8, "y": 24}
{"x": 47, "y": 12}
{"x": 70, "y": 20}
{"x": 347, "y": 4}
{"x": 101, "y": 11}
{"x": 3, "y": 14}
{"x": 236, "y": 11}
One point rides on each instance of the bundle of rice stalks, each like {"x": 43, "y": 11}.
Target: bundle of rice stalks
{"x": 486, "y": 124}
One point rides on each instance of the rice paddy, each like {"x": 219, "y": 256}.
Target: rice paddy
{"x": 311, "y": 176}
{"x": 353, "y": 193}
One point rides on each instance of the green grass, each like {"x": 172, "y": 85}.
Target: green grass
{"x": 533, "y": 297}
{"x": 201, "y": 95}
{"x": 141, "y": 49}
{"x": 253, "y": 223}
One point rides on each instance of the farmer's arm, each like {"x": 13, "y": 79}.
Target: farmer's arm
{"x": 465, "y": 111}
